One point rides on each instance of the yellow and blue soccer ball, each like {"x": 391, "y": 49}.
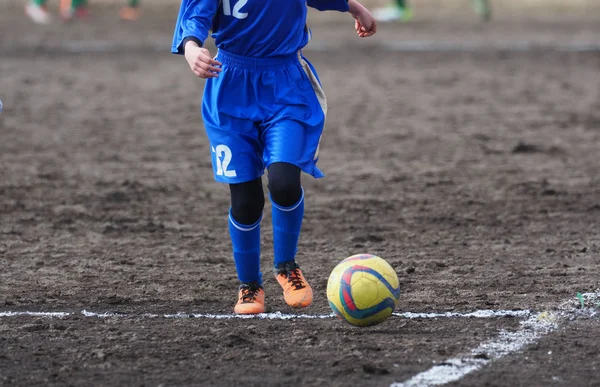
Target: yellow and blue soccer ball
{"x": 363, "y": 290}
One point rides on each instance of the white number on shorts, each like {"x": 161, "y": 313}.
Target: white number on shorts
{"x": 236, "y": 9}
{"x": 223, "y": 158}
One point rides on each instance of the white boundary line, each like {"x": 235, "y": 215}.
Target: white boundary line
{"x": 35, "y": 314}
{"x": 506, "y": 343}
{"x": 486, "y": 313}
{"x": 453, "y": 369}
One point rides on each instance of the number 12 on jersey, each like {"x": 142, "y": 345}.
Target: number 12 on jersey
{"x": 236, "y": 9}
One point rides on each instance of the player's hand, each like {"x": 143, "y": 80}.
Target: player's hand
{"x": 364, "y": 23}
{"x": 365, "y": 26}
{"x": 201, "y": 61}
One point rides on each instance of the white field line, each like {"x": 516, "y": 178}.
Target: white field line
{"x": 485, "y": 313}
{"x": 506, "y": 343}
{"x": 271, "y": 316}
{"x": 35, "y": 314}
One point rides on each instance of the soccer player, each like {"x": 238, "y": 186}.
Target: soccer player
{"x": 263, "y": 107}
{"x": 132, "y": 11}
{"x": 37, "y": 10}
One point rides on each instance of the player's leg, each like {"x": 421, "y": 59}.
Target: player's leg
{"x": 237, "y": 161}
{"x": 66, "y": 9}
{"x": 402, "y": 5}
{"x": 74, "y": 8}
{"x": 287, "y": 211}
{"x": 247, "y": 203}
{"x": 82, "y": 11}
{"x": 38, "y": 11}
{"x": 132, "y": 11}
{"x": 291, "y": 146}
{"x": 483, "y": 9}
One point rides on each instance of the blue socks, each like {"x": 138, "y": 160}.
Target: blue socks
{"x": 287, "y": 222}
{"x": 246, "y": 249}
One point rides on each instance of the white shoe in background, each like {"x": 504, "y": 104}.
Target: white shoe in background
{"x": 392, "y": 13}
{"x": 38, "y": 14}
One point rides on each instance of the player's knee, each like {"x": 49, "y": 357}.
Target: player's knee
{"x": 247, "y": 201}
{"x": 285, "y": 193}
{"x": 284, "y": 184}
{"x": 246, "y": 211}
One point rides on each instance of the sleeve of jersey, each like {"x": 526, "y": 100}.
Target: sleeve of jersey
{"x": 194, "y": 20}
{"x": 329, "y": 5}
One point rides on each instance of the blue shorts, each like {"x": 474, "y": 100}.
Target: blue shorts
{"x": 262, "y": 111}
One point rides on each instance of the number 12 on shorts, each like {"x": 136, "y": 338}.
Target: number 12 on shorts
{"x": 222, "y": 159}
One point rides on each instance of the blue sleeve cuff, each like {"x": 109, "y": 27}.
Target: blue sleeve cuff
{"x": 190, "y": 39}
{"x": 180, "y": 41}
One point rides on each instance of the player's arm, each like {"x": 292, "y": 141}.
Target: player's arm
{"x": 364, "y": 22}
{"x": 193, "y": 23}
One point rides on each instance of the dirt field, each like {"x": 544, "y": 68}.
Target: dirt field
{"x": 469, "y": 162}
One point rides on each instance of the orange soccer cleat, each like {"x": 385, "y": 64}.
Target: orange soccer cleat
{"x": 296, "y": 291}
{"x": 251, "y": 299}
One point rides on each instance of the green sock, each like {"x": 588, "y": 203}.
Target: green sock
{"x": 134, "y": 3}
{"x": 40, "y": 3}
{"x": 78, "y": 3}
{"x": 402, "y": 4}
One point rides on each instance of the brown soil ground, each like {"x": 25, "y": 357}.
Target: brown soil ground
{"x": 473, "y": 172}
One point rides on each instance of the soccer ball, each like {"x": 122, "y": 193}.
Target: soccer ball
{"x": 363, "y": 290}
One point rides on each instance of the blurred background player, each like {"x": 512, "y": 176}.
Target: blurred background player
{"x": 400, "y": 10}
{"x": 38, "y": 12}
{"x": 132, "y": 11}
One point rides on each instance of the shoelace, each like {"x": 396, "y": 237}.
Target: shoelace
{"x": 293, "y": 277}
{"x": 249, "y": 294}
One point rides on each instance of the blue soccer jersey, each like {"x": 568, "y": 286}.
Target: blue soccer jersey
{"x": 251, "y": 28}
{"x": 266, "y": 105}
